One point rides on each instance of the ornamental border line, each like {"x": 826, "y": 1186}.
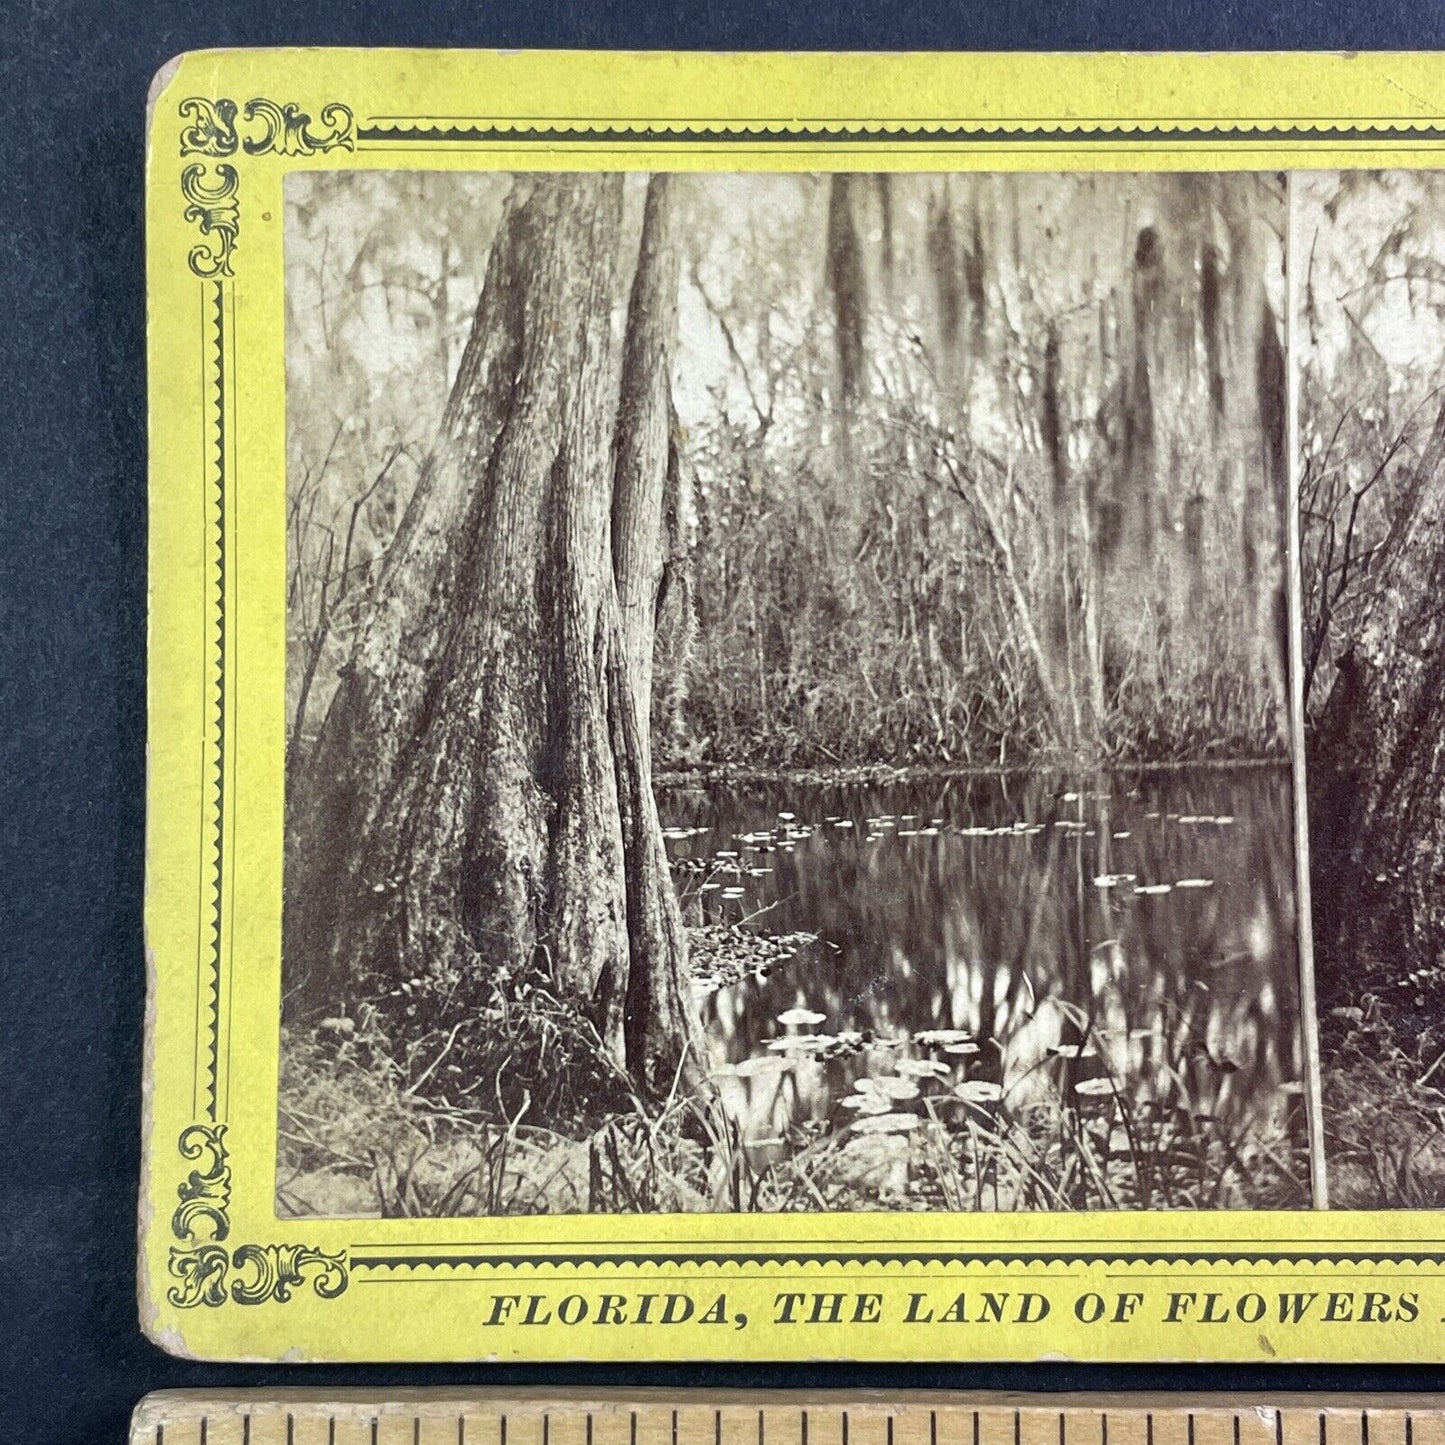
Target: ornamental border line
{"x": 206, "y": 1270}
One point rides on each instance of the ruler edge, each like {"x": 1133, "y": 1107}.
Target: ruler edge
{"x": 166, "y": 1407}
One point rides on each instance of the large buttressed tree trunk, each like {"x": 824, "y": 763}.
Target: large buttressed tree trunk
{"x": 1377, "y": 764}
{"x": 478, "y": 804}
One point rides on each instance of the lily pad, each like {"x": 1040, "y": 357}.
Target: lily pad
{"x": 921, "y": 1069}
{"x": 865, "y": 1103}
{"x": 797, "y": 1017}
{"x": 1074, "y": 1051}
{"x": 979, "y": 1091}
{"x": 761, "y": 1064}
{"x": 887, "y": 1124}
{"x": 888, "y": 1086}
{"x": 942, "y": 1036}
{"x": 1094, "y": 1088}
{"x": 802, "y": 1043}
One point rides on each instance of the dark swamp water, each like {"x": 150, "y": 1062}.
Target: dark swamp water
{"x": 1029, "y": 991}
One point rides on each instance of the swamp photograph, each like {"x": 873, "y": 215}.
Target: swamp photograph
{"x": 1371, "y": 357}
{"x": 788, "y": 692}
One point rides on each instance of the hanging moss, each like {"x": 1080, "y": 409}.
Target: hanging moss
{"x": 943, "y": 262}
{"x": 848, "y": 284}
{"x": 883, "y": 185}
{"x": 1050, "y": 420}
{"x": 1210, "y": 321}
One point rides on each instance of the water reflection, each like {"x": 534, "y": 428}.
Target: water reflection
{"x": 1124, "y": 944}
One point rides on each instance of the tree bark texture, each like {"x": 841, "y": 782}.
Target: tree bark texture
{"x": 1377, "y": 764}
{"x": 479, "y": 801}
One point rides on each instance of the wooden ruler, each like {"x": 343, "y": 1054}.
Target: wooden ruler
{"x": 802, "y": 1417}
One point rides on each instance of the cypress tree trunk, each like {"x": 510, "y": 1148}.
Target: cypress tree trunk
{"x": 1377, "y": 764}
{"x": 479, "y": 801}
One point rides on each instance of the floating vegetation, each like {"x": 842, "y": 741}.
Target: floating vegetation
{"x": 797, "y": 1017}
{"x": 803, "y": 1043}
{"x": 1042, "y": 1094}
{"x": 889, "y": 1086}
{"x": 929, "y": 1037}
{"x": 887, "y": 1124}
{"x": 865, "y": 1103}
{"x": 758, "y": 1064}
{"x": 921, "y": 1069}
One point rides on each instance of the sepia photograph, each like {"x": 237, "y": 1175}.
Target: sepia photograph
{"x": 1371, "y": 327}
{"x": 788, "y": 699}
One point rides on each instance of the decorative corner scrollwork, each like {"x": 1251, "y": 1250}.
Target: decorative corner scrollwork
{"x": 289, "y": 130}
{"x": 284, "y": 128}
{"x": 214, "y": 207}
{"x": 210, "y": 1274}
{"x": 253, "y": 1274}
{"x": 213, "y": 128}
{"x": 206, "y": 1192}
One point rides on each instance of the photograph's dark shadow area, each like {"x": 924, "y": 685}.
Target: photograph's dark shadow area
{"x": 72, "y": 622}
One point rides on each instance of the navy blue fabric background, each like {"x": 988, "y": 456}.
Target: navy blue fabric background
{"x": 73, "y": 79}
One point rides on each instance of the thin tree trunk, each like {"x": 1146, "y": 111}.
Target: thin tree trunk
{"x": 658, "y": 1024}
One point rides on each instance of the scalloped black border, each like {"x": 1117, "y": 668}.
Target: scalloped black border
{"x": 392, "y": 1262}
{"x": 448, "y": 131}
